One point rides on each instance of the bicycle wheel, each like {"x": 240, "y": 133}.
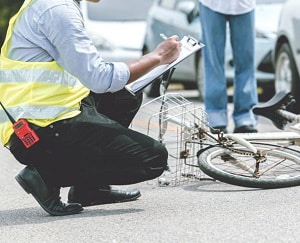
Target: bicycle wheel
{"x": 280, "y": 169}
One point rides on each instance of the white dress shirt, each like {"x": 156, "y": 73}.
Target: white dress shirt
{"x": 54, "y": 30}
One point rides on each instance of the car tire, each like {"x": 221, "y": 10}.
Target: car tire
{"x": 268, "y": 91}
{"x": 286, "y": 74}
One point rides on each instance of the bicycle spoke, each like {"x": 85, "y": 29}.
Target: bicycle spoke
{"x": 237, "y": 163}
{"x": 278, "y": 166}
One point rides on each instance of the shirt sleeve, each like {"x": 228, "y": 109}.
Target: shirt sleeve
{"x": 72, "y": 48}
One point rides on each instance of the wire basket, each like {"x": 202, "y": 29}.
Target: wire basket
{"x": 174, "y": 121}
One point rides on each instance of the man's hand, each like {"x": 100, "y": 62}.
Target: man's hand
{"x": 165, "y": 53}
{"x": 169, "y": 49}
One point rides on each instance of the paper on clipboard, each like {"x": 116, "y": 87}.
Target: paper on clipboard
{"x": 189, "y": 46}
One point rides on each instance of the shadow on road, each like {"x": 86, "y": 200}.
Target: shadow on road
{"x": 36, "y": 215}
{"x": 213, "y": 186}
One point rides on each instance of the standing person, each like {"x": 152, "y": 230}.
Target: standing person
{"x": 53, "y": 77}
{"x": 239, "y": 14}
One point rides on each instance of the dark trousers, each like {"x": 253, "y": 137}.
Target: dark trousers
{"x": 96, "y": 147}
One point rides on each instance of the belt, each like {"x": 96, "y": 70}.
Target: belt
{"x": 14, "y": 138}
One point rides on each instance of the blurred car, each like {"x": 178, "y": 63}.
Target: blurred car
{"x": 174, "y": 17}
{"x": 117, "y": 27}
{"x": 181, "y": 17}
{"x": 286, "y": 55}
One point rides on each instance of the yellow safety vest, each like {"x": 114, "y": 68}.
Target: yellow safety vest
{"x": 41, "y": 92}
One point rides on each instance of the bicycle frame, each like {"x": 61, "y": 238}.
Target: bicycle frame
{"x": 183, "y": 128}
{"x": 293, "y": 138}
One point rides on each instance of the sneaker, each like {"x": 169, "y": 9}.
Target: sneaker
{"x": 245, "y": 129}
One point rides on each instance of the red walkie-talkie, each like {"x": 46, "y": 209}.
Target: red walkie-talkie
{"x": 21, "y": 128}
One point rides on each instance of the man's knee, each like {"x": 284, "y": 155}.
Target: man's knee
{"x": 159, "y": 161}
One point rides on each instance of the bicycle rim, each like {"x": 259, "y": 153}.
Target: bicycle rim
{"x": 281, "y": 168}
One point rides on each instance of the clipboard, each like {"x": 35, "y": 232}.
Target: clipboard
{"x": 189, "y": 46}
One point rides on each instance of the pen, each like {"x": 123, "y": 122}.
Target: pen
{"x": 163, "y": 36}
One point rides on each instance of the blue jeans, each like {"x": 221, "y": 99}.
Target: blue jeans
{"x": 242, "y": 32}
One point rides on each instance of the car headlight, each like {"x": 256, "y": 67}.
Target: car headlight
{"x": 260, "y": 34}
{"x": 265, "y": 35}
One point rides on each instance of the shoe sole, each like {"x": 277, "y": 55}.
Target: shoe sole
{"x": 108, "y": 202}
{"x": 27, "y": 189}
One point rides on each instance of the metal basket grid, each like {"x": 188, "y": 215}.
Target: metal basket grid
{"x": 173, "y": 120}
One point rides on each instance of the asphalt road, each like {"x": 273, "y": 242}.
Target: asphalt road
{"x": 195, "y": 211}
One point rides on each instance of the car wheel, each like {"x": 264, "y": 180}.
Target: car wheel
{"x": 268, "y": 91}
{"x": 286, "y": 74}
{"x": 200, "y": 78}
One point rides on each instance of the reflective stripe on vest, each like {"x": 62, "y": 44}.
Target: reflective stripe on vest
{"x": 42, "y": 92}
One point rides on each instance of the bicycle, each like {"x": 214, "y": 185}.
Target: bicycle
{"x": 263, "y": 164}
{"x": 260, "y": 160}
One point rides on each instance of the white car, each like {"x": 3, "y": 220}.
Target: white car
{"x": 117, "y": 27}
{"x": 287, "y": 51}
{"x": 181, "y": 17}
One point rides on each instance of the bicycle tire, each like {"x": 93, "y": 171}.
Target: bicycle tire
{"x": 285, "y": 174}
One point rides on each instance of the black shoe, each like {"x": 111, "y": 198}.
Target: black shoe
{"x": 32, "y": 183}
{"x": 215, "y": 130}
{"x": 103, "y": 195}
{"x": 245, "y": 129}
